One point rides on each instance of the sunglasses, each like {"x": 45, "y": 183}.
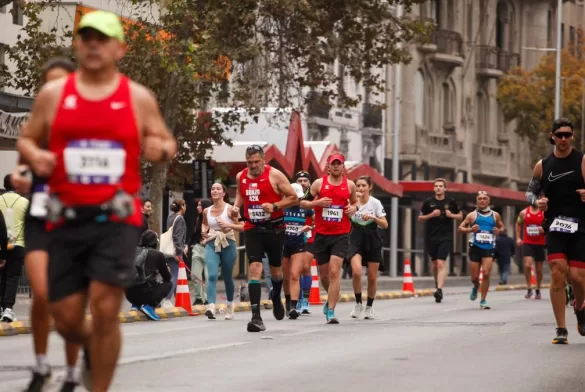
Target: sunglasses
{"x": 482, "y": 193}
{"x": 253, "y": 149}
{"x": 563, "y": 135}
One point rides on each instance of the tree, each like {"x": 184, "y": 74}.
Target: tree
{"x": 528, "y": 97}
{"x": 240, "y": 54}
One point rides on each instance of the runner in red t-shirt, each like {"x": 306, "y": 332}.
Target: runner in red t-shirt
{"x": 530, "y": 236}
{"x": 335, "y": 201}
{"x": 94, "y": 123}
{"x": 264, "y": 192}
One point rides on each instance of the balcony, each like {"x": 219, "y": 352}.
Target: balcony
{"x": 491, "y": 161}
{"x": 492, "y": 62}
{"x": 439, "y": 150}
{"x": 372, "y": 116}
{"x": 449, "y": 48}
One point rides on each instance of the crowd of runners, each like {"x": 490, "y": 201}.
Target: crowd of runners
{"x": 82, "y": 143}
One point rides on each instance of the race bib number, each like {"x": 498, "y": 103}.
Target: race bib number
{"x": 563, "y": 224}
{"x": 38, "y": 202}
{"x": 533, "y": 230}
{"x": 94, "y": 161}
{"x": 332, "y": 213}
{"x": 484, "y": 237}
{"x": 257, "y": 214}
{"x": 293, "y": 230}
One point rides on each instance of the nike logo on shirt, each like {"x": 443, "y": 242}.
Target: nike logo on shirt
{"x": 552, "y": 177}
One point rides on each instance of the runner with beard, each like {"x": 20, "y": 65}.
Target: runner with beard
{"x": 304, "y": 179}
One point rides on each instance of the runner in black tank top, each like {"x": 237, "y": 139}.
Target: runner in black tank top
{"x": 558, "y": 188}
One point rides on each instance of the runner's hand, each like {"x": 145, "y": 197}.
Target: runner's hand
{"x": 2, "y": 263}
{"x": 235, "y": 212}
{"x": 222, "y": 224}
{"x": 325, "y": 202}
{"x": 436, "y": 213}
{"x": 449, "y": 214}
{"x": 21, "y": 182}
{"x": 367, "y": 217}
{"x": 519, "y": 242}
{"x": 542, "y": 204}
{"x": 268, "y": 208}
{"x": 581, "y": 193}
{"x": 350, "y": 210}
{"x": 475, "y": 228}
{"x": 496, "y": 230}
{"x": 540, "y": 230}
{"x": 306, "y": 229}
{"x": 44, "y": 163}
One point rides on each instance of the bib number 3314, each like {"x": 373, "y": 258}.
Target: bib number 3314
{"x": 563, "y": 224}
{"x": 94, "y": 161}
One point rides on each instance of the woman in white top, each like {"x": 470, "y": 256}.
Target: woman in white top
{"x": 220, "y": 248}
{"x": 365, "y": 244}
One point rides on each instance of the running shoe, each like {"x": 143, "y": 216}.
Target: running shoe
{"x": 293, "y": 314}
{"x": 229, "y": 311}
{"x": 537, "y": 295}
{"x": 39, "y": 382}
{"x": 256, "y": 324}
{"x": 306, "y": 308}
{"x": 210, "y": 311}
{"x": 358, "y": 311}
{"x": 528, "y": 294}
{"x": 438, "y": 295}
{"x": 331, "y": 319}
{"x": 369, "y": 313}
{"x": 483, "y": 304}
{"x": 580, "y": 314}
{"x": 68, "y": 386}
{"x": 326, "y": 309}
{"x": 562, "y": 336}
{"x": 8, "y": 316}
{"x": 149, "y": 312}
{"x": 473, "y": 294}
{"x": 277, "y": 307}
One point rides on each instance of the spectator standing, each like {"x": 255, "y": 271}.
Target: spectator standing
{"x": 505, "y": 250}
{"x": 146, "y": 212}
{"x": 177, "y": 222}
{"x": 198, "y": 266}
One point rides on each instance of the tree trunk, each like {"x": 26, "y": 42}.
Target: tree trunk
{"x": 157, "y": 187}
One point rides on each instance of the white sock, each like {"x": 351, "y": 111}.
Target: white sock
{"x": 71, "y": 374}
{"x": 42, "y": 364}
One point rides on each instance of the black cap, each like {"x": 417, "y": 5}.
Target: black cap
{"x": 559, "y": 123}
{"x": 302, "y": 174}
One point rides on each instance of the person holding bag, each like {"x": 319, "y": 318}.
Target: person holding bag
{"x": 173, "y": 245}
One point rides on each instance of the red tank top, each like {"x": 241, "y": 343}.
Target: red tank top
{"x": 531, "y": 224}
{"x": 332, "y": 220}
{"x": 309, "y": 222}
{"x": 257, "y": 191}
{"x": 97, "y": 145}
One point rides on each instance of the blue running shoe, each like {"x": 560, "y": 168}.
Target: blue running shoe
{"x": 299, "y": 307}
{"x": 149, "y": 312}
{"x": 326, "y": 309}
{"x": 305, "y": 308}
{"x": 473, "y": 295}
{"x": 331, "y": 319}
{"x": 483, "y": 304}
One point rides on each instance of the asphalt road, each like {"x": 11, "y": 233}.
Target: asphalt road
{"x": 413, "y": 345}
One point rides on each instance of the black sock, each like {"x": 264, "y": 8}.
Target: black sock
{"x": 370, "y": 301}
{"x": 277, "y": 286}
{"x": 358, "y": 298}
{"x": 287, "y": 300}
{"x": 255, "y": 290}
{"x": 293, "y": 304}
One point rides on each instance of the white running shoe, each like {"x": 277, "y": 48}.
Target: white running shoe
{"x": 210, "y": 311}
{"x": 358, "y": 311}
{"x": 8, "y": 316}
{"x": 229, "y": 311}
{"x": 166, "y": 304}
{"x": 369, "y": 313}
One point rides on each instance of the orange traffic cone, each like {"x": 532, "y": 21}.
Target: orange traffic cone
{"x": 407, "y": 283}
{"x": 480, "y": 275}
{"x": 533, "y": 278}
{"x": 182, "y": 296}
{"x": 315, "y": 297}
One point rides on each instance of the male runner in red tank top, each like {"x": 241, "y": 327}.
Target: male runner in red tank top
{"x": 264, "y": 192}
{"x": 530, "y": 236}
{"x": 94, "y": 122}
{"x": 335, "y": 201}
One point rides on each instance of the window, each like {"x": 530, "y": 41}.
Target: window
{"x": 447, "y": 105}
{"x": 451, "y": 15}
{"x": 16, "y": 13}
{"x": 572, "y": 39}
{"x": 562, "y": 36}
{"x": 419, "y": 97}
{"x": 549, "y": 29}
{"x": 470, "y": 37}
{"x": 481, "y": 119}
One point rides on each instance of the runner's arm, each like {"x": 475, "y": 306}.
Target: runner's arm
{"x": 283, "y": 184}
{"x": 353, "y": 200}
{"x": 425, "y": 212}
{"x": 3, "y": 239}
{"x": 35, "y": 130}
{"x": 238, "y": 201}
{"x": 380, "y": 216}
{"x": 464, "y": 227}
{"x": 499, "y": 223}
{"x": 535, "y": 185}
{"x": 518, "y": 225}
{"x": 237, "y": 225}
{"x": 315, "y": 188}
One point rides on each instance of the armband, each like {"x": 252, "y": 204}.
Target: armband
{"x": 534, "y": 188}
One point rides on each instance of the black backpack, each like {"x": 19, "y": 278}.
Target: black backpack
{"x": 141, "y": 276}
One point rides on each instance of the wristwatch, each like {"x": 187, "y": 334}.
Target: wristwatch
{"x": 274, "y": 207}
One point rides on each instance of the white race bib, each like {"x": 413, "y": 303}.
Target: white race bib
{"x": 38, "y": 203}
{"x": 484, "y": 237}
{"x": 257, "y": 214}
{"x": 532, "y": 230}
{"x": 94, "y": 161}
{"x": 332, "y": 213}
{"x": 563, "y": 224}
{"x": 292, "y": 229}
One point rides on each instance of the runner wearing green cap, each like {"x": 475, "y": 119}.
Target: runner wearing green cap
{"x": 95, "y": 123}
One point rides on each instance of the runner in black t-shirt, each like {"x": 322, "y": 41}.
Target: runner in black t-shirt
{"x": 438, "y": 212}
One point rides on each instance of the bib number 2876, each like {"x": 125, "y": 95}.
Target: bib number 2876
{"x": 563, "y": 224}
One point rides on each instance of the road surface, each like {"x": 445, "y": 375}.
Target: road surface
{"x": 413, "y": 345}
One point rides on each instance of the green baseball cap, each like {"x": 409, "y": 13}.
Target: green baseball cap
{"x": 105, "y": 22}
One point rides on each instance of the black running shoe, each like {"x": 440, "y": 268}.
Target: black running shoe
{"x": 256, "y": 324}
{"x": 293, "y": 314}
{"x": 580, "y": 321}
{"x": 562, "y": 336}
{"x": 86, "y": 370}
{"x": 68, "y": 386}
{"x": 39, "y": 382}
{"x": 277, "y": 306}
{"x": 438, "y": 295}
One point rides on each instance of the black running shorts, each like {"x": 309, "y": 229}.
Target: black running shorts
{"x": 35, "y": 235}
{"x": 81, "y": 252}
{"x": 260, "y": 241}
{"x": 439, "y": 250}
{"x": 310, "y": 247}
{"x": 570, "y": 247}
{"x": 326, "y": 246}
{"x": 292, "y": 249}
{"x": 537, "y": 252}
{"x": 476, "y": 254}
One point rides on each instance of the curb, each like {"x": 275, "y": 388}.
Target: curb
{"x": 132, "y": 316}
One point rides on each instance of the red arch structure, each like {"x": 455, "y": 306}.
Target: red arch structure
{"x": 298, "y": 157}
